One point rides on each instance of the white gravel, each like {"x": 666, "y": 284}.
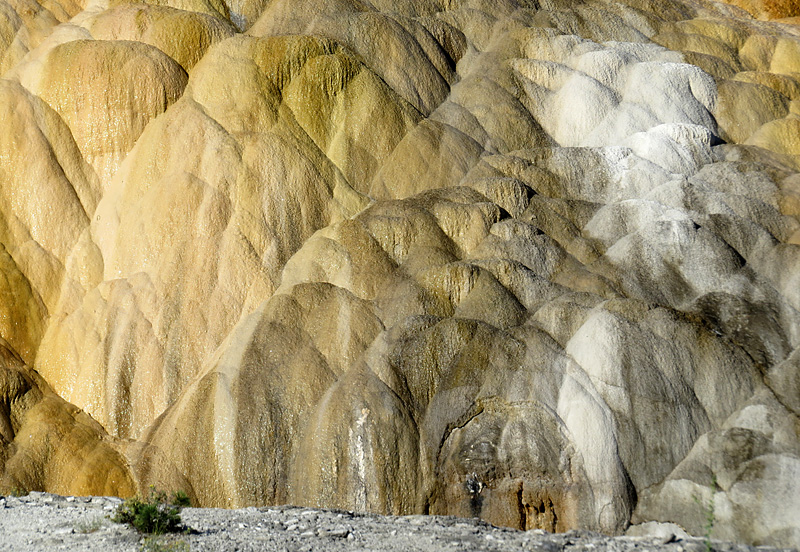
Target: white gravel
{"x": 46, "y": 522}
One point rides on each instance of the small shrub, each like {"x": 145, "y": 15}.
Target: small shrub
{"x": 156, "y": 515}
{"x": 19, "y": 491}
{"x": 181, "y": 499}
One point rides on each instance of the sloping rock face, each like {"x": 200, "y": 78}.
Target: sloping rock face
{"x": 534, "y": 261}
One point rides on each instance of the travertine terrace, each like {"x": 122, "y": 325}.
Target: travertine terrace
{"x": 534, "y": 261}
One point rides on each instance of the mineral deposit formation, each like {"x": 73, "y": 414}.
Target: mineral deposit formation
{"x": 535, "y": 261}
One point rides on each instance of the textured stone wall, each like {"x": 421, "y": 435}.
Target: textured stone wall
{"x": 534, "y": 261}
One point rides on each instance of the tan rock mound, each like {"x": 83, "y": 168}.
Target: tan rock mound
{"x": 49, "y": 443}
{"x": 185, "y": 36}
{"x": 24, "y": 25}
{"x": 124, "y": 85}
{"x": 47, "y": 197}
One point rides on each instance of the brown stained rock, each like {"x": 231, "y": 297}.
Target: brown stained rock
{"x": 769, "y": 9}
{"x": 125, "y": 85}
{"x": 49, "y": 443}
{"x": 185, "y": 36}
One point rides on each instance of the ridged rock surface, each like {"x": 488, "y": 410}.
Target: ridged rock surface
{"x": 536, "y": 261}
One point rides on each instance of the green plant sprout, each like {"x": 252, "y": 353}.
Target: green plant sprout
{"x": 708, "y": 510}
{"x": 158, "y": 514}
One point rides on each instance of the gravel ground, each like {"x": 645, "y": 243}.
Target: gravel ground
{"x": 46, "y": 522}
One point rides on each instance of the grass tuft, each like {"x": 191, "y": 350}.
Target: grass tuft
{"x": 158, "y": 544}
{"x": 92, "y": 525}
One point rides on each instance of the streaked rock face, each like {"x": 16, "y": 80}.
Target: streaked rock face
{"x": 533, "y": 261}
